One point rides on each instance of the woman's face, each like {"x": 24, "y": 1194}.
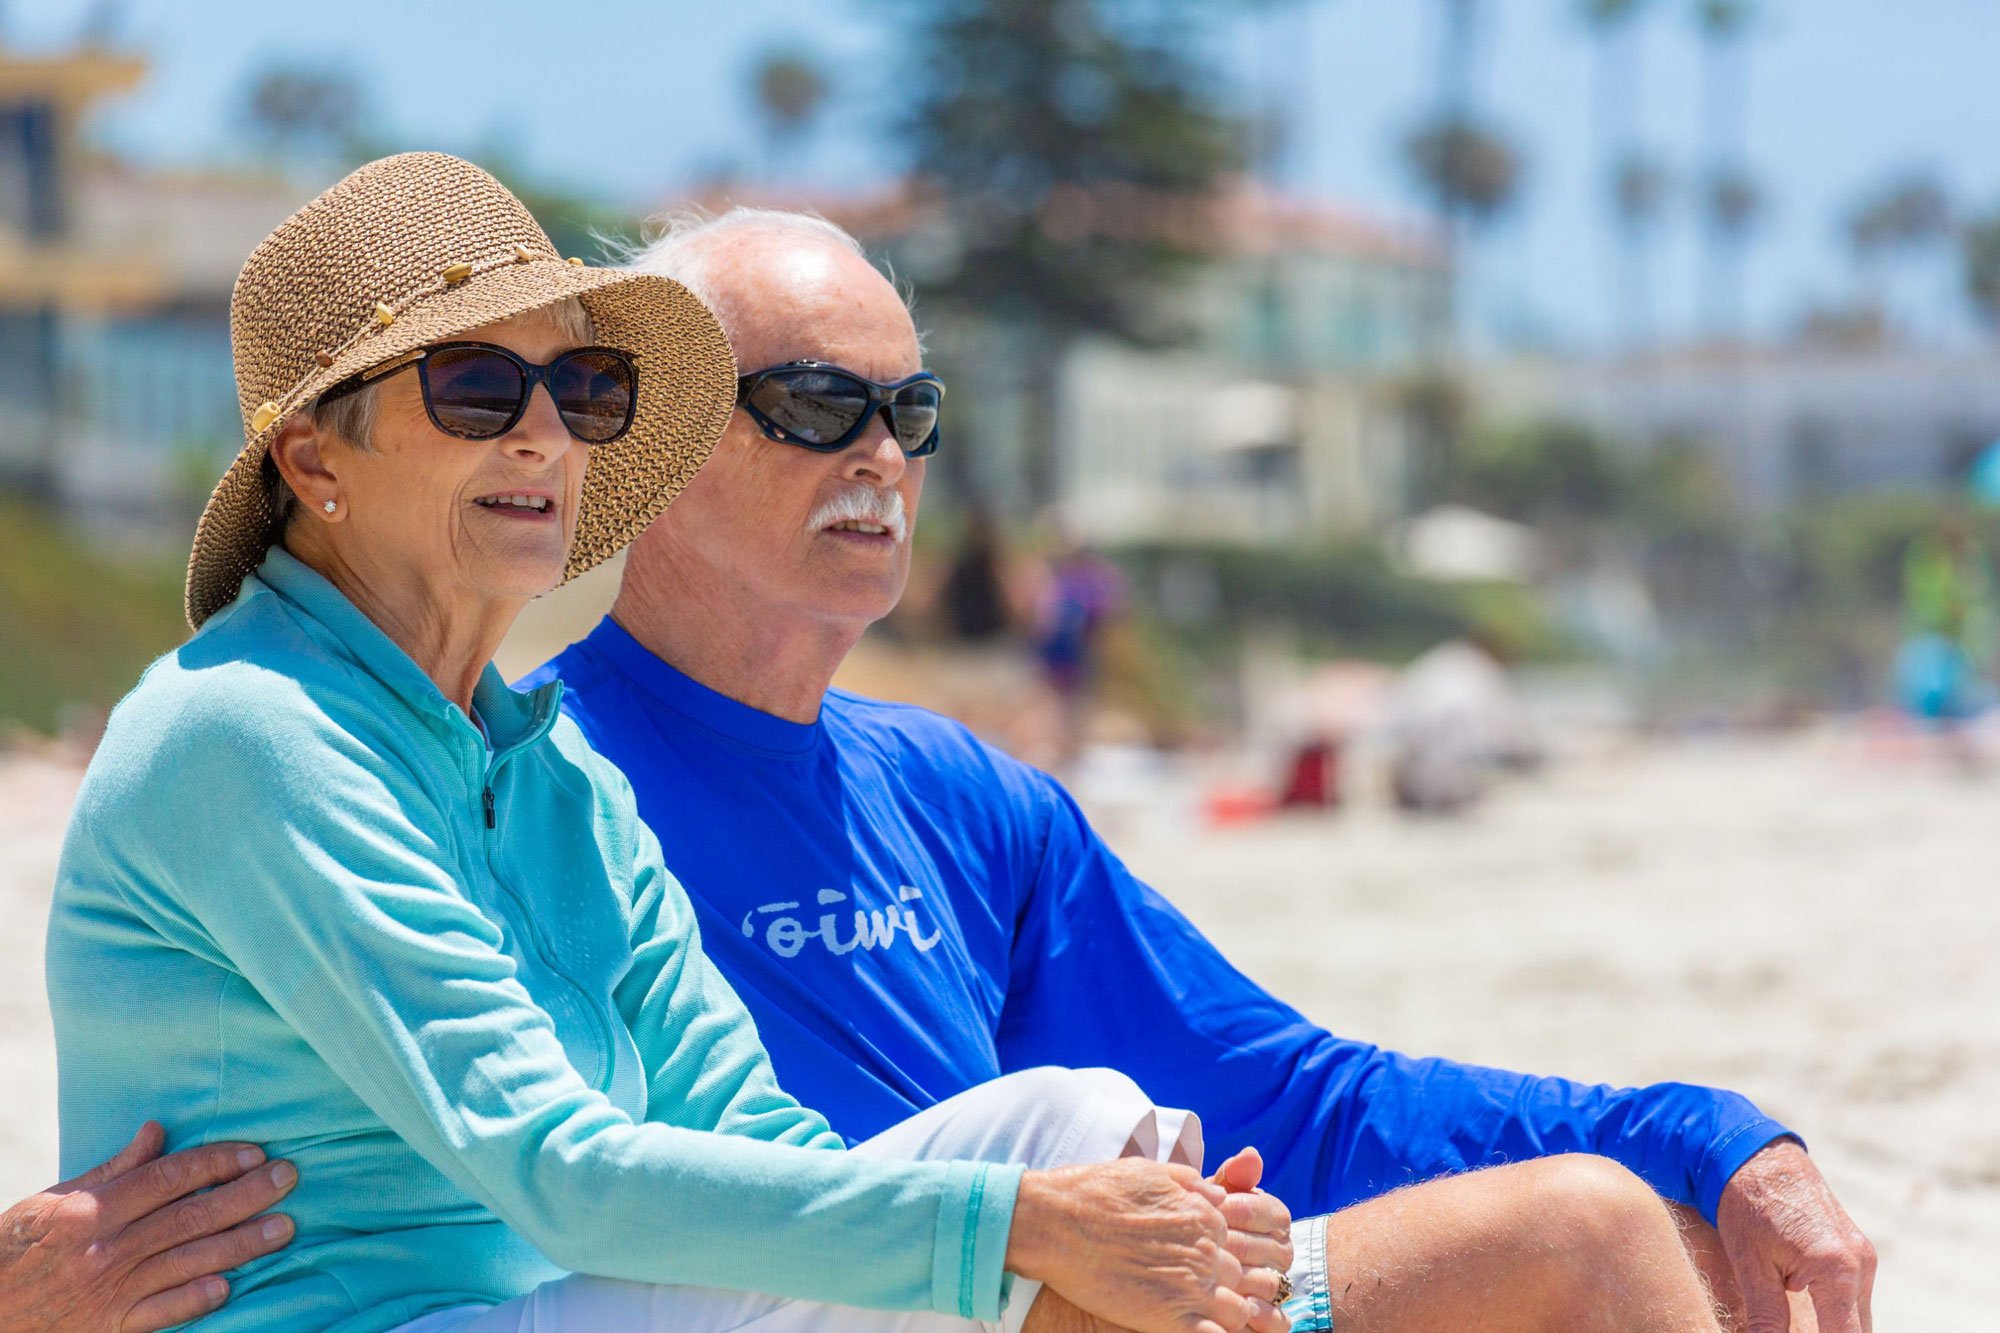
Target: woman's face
{"x": 437, "y": 506}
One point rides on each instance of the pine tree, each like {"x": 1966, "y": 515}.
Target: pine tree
{"x": 1074, "y": 151}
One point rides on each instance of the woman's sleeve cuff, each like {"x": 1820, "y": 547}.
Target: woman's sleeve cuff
{"x": 974, "y": 1219}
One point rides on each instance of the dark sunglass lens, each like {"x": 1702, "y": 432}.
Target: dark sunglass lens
{"x": 915, "y": 413}
{"x": 473, "y": 393}
{"x": 594, "y": 391}
{"x": 814, "y": 406}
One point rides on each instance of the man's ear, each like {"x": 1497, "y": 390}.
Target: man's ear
{"x": 300, "y": 454}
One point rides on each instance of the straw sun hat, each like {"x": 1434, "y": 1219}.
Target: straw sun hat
{"x": 422, "y": 247}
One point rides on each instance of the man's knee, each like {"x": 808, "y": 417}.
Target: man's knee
{"x": 1039, "y": 1117}
{"x": 1065, "y": 1116}
{"x": 1594, "y": 1199}
{"x": 1611, "y": 1240}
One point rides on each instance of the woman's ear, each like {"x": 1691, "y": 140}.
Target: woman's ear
{"x": 302, "y": 458}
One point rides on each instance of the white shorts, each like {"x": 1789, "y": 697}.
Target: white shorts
{"x": 1040, "y": 1118}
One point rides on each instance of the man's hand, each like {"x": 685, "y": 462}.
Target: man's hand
{"x": 132, "y": 1246}
{"x": 1260, "y": 1236}
{"x": 1783, "y": 1230}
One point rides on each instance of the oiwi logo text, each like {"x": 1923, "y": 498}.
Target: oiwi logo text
{"x": 873, "y": 928}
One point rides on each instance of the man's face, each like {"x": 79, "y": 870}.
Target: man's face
{"x": 765, "y": 517}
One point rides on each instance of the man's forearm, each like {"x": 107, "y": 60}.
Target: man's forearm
{"x": 1396, "y": 1119}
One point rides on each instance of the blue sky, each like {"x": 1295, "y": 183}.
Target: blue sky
{"x": 630, "y": 101}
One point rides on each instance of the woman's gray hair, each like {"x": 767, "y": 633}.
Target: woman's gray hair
{"x": 350, "y": 418}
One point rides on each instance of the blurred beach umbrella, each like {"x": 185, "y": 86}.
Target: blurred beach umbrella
{"x": 1455, "y": 542}
{"x": 791, "y": 91}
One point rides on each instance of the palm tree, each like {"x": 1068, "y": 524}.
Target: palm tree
{"x": 305, "y": 110}
{"x": 1979, "y": 242}
{"x": 791, "y": 91}
{"x": 1468, "y": 169}
{"x": 1057, "y": 137}
{"x": 1906, "y": 219}
{"x": 1635, "y": 186}
{"x": 1733, "y": 202}
{"x": 1279, "y": 45}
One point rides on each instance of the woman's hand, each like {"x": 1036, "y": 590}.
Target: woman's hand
{"x": 1260, "y": 1236}
{"x": 1139, "y": 1244}
{"x": 135, "y": 1245}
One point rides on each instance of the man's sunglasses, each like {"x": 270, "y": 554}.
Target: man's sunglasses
{"x": 477, "y": 391}
{"x": 825, "y": 408}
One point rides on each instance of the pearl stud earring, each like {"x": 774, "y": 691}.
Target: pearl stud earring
{"x": 330, "y": 506}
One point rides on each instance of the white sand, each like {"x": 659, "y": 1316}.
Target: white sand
{"x": 1815, "y": 929}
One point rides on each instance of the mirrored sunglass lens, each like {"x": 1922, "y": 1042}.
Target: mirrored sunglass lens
{"x": 473, "y": 393}
{"x": 594, "y": 395}
{"x": 815, "y": 406}
{"x": 915, "y": 413}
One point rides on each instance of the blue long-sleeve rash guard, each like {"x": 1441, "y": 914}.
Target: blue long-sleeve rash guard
{"x": 908, "y": 912}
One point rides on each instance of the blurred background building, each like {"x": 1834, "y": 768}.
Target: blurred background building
{"x": 115, "y": 380}
{"x": 1580, "y": 329}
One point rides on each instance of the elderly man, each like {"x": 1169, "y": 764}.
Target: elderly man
{"x": 909, "y": 912}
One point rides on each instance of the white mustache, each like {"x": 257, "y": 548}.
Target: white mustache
{"x": 861, "y": 504}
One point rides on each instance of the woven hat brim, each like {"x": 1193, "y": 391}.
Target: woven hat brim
{"x": 686, "y": 391}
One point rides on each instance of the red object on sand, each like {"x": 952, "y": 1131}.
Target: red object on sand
{"x": 1314, "y": 780}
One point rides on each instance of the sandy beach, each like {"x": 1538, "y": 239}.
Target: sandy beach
{"x": 1808, "y": 921}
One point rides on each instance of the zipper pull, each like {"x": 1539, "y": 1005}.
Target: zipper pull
{"x": 487, "y": 797}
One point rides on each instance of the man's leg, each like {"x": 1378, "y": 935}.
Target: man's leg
{"x": 1574, "y": 1243}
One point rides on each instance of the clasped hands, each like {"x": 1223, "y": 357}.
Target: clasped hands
{"x": 1157, "y": 1248}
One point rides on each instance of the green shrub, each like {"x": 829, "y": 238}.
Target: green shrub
{"x": 76, "y": 627}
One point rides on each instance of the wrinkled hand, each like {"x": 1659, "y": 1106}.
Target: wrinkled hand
{"x": 130, "y": 1246}
{"x": 1783, "y": 1230}
{"x": 1137, "y": 1243}
{"x": 1260, "y": 1236}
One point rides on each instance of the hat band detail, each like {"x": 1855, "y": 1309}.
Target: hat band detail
{"x": 385, "y": 315}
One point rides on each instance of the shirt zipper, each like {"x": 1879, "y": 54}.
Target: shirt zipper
{"x": 527, "y": 918}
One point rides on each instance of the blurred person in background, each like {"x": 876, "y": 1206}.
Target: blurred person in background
{"x": 1456, "y": 719}
{"x": 330, "y": 884}
{"x": 909, "y": 912}
{"x": 1950, "y": 620}
{"x": 1080, "y": 594}
{"x": 978, "y": 609}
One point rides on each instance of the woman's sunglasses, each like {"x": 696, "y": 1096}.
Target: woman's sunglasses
{"x": 477, "y": 391}
{"x": 825, "y": 408}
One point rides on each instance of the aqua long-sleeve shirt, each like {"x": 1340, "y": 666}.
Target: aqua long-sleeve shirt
{"x": 303, "y": 902}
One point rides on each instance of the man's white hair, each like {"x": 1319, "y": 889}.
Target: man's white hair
{"x": 683, "y": 245}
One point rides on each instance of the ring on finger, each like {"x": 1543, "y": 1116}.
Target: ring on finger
{"x": 1284, "y": 1287}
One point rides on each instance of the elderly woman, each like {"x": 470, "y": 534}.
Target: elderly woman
{"x": 332, "y": 887}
